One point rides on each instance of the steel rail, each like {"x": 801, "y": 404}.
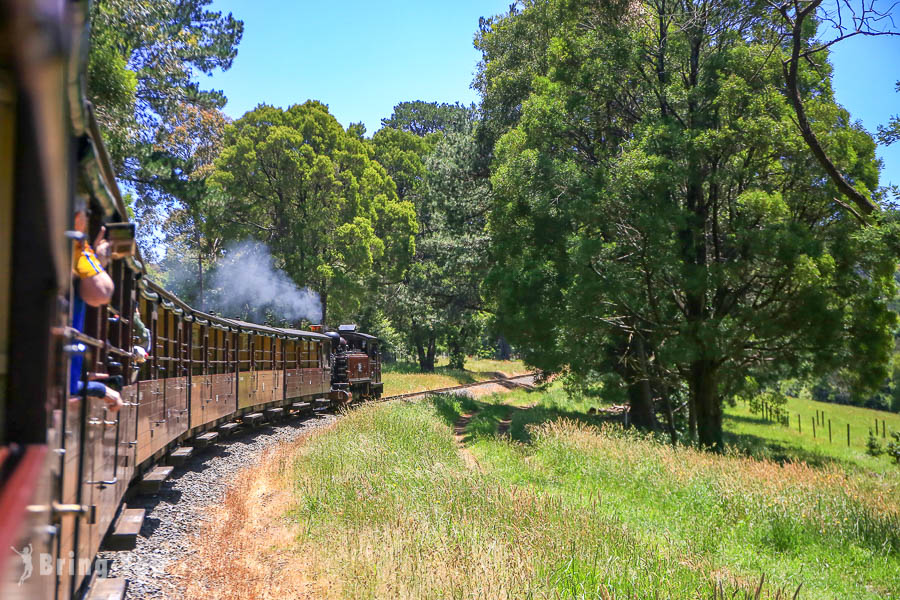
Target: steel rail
{"x": 454, "y": 388}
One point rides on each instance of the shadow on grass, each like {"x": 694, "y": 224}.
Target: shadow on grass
{"x": 488, "y": 416}
{"x": 461, "y": 376}
{"x": 749, "y": 420}
{"x": 759, "y": 447}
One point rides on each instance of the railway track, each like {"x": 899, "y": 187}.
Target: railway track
{"x": 178, "y": 510}
{"x": 412, "y": 395}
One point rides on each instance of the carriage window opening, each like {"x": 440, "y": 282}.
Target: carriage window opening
{"x": 242, "y": 358}
{"x": 196, "y": 349}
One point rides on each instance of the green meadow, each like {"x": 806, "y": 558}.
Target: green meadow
{"x": 391, "y": 503}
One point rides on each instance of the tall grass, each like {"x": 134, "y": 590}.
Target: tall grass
{"x": 383, "y": 506}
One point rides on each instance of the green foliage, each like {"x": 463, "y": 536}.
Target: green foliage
{"x": 296, "y": 180}
{"x": 890, "y": 133}
{"x": 873, "y": 446}
{"x": 143, "y": 63}
{"x": 423, "y": 118}
{"x": 673, "y": 228}
{"x": 893, "y": 447}
{"x": 442, "y": 173}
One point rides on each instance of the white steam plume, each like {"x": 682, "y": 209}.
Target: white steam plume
{"x": 245, "y": 284}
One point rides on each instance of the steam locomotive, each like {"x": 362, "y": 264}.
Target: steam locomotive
{"x": 66, "y": 461}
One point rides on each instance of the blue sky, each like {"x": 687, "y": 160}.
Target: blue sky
{"x": 361, "y": 58}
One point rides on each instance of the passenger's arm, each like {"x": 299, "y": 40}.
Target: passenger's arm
{"x": 97, "y": 290}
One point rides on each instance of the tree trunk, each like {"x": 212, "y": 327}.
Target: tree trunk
{"x": 426, "y": 354}
{"x": 639, "y": 393}
{"x": 504, "y": 352}
{"x": 200, "y": 269}
{"x": 705, "y": 397}
{"x": 324, "y": 299}
{"x": 457, "y": 351}
{"x": 670, "y": 418}
{"x": 432, "y": 348}
{"x": 420, "y": 354}
{"x": 692, "y": 419}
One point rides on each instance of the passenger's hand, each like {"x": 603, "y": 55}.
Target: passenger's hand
{"x": 140, "y": 355}
{"x": 102, "y": 248}
{"x": 113, "y": 399}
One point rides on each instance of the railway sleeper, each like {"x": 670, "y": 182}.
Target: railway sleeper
{"x": 153, "y": 480}
{"x": 107, "y": 588}
{"x": 274, "y": 414}
{"x": 177, "y": 457}
{"x": 227, "y": 429}
{"x": 125, "y": 532}
{"x": 205, "y": 439}
{"x": 252, "y": 419}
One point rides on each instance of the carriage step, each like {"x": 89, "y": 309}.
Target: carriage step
{"x": 108, "y": 588}
{"x": 127, "y": 528}
{"x": 204, "y": 440}
{"x": 300, "y": 406}
{"x": 180, "y": 455}
{"x": 152, "y": 481}
{"x": 323, "y": 402}
{"x": 273, "y": 414}
{"x": 253, "y": 419}
{"x": 228, "y": 428}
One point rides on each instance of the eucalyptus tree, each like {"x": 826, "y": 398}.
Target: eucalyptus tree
{"x": 143, "y": 63}
{"x": 296, "y": 180}
{"x": 657, "y": 213}
{"x": 441, "y": 171}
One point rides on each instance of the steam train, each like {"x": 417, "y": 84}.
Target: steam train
{"x": 66, "y": 460}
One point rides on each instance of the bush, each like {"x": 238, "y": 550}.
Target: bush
{"x": 873, "y": 446}
{"x": 893, "y": 448}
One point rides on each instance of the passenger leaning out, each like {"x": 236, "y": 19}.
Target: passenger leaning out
{"x": 92, "y": 287}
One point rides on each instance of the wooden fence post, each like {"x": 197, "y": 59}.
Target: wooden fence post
{"x": 848, "y": 435}
{"x": 829, "y": 431}
{"x": 814, "y": 428}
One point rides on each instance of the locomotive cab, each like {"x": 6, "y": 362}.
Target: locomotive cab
{"x": 357, "y": 362}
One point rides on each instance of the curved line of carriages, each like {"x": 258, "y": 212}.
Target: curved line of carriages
{"x": 67, "y": 463}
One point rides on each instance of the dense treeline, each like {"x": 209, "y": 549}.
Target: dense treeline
{"x": 659, "y": 200}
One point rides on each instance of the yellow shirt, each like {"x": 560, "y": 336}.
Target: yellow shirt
{"x": 86, "y": 263}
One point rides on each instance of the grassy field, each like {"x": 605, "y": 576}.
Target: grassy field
{"x": 405, "y": 378}
{"x": 766, "y": 439}
{"x": 388, "y": 504}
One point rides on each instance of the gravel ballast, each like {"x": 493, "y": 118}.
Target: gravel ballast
{"x": 176, "y": 513}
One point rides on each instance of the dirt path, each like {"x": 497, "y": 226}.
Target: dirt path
{"x": 503, "y": 426}
{"x": 459, "y": 432}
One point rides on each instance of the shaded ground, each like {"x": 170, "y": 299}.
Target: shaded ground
{"x": 406, "y": 378}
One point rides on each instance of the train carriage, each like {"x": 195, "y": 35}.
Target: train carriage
{"x": 66, "y": 460}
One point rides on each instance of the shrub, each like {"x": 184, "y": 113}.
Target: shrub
{"x": 873, "y": 446}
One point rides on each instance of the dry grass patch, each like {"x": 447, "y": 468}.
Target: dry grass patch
{"x": 246, "y": 548}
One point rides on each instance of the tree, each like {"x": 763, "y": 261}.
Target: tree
{"x": 142, "y": 67}
{"x": 441, "y": 172}
{"x": 423, "y": 118}
{"x": 800, "y": 24}
{"x": 890, "y": 133}
{"x": 192, "y": 138}
{"x": 296, "y": 180}
{"x": 658, "y": 215}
